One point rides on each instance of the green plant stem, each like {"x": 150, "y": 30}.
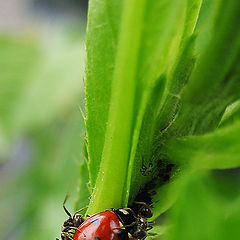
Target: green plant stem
{"x": 115, "y": 157}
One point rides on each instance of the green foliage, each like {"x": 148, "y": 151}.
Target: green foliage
{"x": 149, "y": 42}
{"x": 208, "y": 207}
{"x": 103, "y": 27}
{"x": 218, "y": 149}
{"x": 161, "y": 97}
{"x": 231, "y": 114}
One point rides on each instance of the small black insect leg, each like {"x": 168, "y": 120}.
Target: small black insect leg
{"x": 152, "y": 222}
{"x": 80, "y": 210}
{"x": 130, "y": 225}
{"x": 149, "y": 228}
{"x": 124, "y": 226}
{"x": 67, "y": 237}
{"x": 141, "y": 203}
{"x": 75, "y": 228}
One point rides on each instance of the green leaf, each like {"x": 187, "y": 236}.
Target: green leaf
{"x": 145, "y": 92}
{"x": 160, "y": 109}
{"x": 218, "y": 149}
{"x": 217, "y": 59}
{"x": 203, "y": 111}
{"x": 214, "y": 83}
{"x": 155, "y": 119}
{"x": 165, "y": 196}
{"x": 206, "y": 209}
{"x": 145, "y": 49}
{"x": 204, "y": 25}
{"x": 102, "y": 43}
{"x": 157, "y": 232}
{"x": 231, "y": 114}
{"x": 118, "y": 135}
{"x": 102, "y": 39}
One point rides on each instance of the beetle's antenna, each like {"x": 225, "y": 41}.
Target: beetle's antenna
{"x": 65, "y": 209}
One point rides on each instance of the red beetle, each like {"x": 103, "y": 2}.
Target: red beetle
{"x": 118, "y": 224}
{"x": 101, "y": 226}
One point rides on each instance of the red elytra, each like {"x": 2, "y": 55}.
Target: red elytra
{"x": 101, "y": 226}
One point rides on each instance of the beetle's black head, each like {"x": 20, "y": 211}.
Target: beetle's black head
{"x": 77, "y": 220}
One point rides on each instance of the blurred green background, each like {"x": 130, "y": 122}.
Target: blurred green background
{"x": 42, "y": 56}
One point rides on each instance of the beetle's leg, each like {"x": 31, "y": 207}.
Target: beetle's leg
{"x": 80, "y": 210}
{"x": 124, "y": 226}
{"x": 149, "y": 228}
